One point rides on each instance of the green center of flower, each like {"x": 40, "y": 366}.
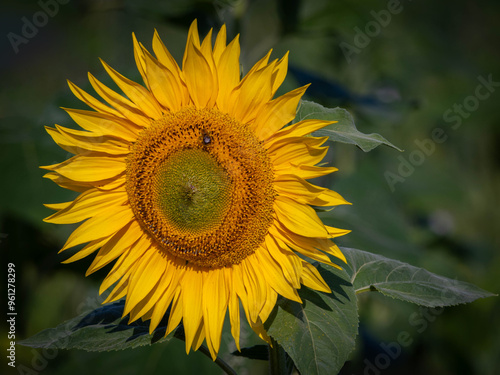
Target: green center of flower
{"x": 193, "y": 191}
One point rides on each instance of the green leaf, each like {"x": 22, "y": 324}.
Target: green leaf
{"x": 344, "y": 130}
{"x": 100, "y": 330}
{"x": 372, "y": 272}
{"x": 319, "y": 334}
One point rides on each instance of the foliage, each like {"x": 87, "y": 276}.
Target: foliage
{"x": 319, "y": 334}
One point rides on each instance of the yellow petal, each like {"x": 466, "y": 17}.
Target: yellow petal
{"x": 200, "y": 79}
{"x": 300, "y": 129}
{"x": 175, "y": 312}
{"x": 285, "y": 258}
{"x": 269, "y": 303}
{"x": 310, "y": 246}
{"x": 169, "y": 284}
{"x": 87, "y": 250}
{"x": 305, "y": 245}
{"x": 273, "y": 274}
{"x": 90, "y": 168}
{"x": 198, "y": 340}
{"x": 58, "y": 206}
{"x": 299, "y": 218}
{"x": 104, "y": 125}
{"x": 128, "y": 109}
{"x": 93, "y": 102}
{"x": 277, "y": 113}
{"x": 160, "y": 307}
{"x": 128, "y": 259}
{"x": 252, "y": 94}
{"x": 135, "y": 92}
{"x": 116, "y": 184}
{"x": 197, "y": 72}
{"x": 148, "y": 273}
{"x": 193, "y": 37}
{"x": 206, "y": 46}
{"x": 304, "y": 192}
{"x": 312, "y": 279}
{"x": 165, "y": 85}
{"x": 192, "y": 287}
{"x": 220, "y": 44}
{"x": 53, "y": 167}
{"x": 238, "y": 285}
{"x": 215, "y": 301}
{"x": 62, "y": 141}
{"x": 280, "y": 72}
{"x": 233, "y": 306}
{"x": 304, "y": 171}
{"x": 259, "y": 329}
{"x": 139, "y": 60}
{"x": 336, "y": 232}
{"x": 120, "y": 289}
{"x": 77, "y": 141}
{"x": 165, "y": 58}
{"x": 297, "y": 188}
{"x": 90, "y": 203}
{"x": 99, "y": 227}
{"x": 300, "y": 150}
{"x": 144, "y": 309}
{"x": 116, "y": 246}
{"x": 329, "y": 198}
{"x": 256, "y": 291}
{"x": 67, "y": 183}
{"x": 228, "y": 70}
{"x": 118, "y": 292}
{"x": 336, "y": 252}
{"x": 260, "y": 64}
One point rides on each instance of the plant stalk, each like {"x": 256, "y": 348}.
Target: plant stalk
{"x": 279, "y": 361}
{"x": 219, "y": 362}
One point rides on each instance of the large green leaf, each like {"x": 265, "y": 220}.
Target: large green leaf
{"x": 99, "y": 330}
{"x": 372, "y": 272}
{"x": 319, "y": 334}
{"x": 342, "y": 131}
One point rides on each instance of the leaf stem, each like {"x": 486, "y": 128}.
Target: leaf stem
{"x": 179, "y": 334}
{"x": 218, "y": 361}
{"x": 369, "y": 288}
{"x": 362, "y": 290}
{"x": 279, "y": 361}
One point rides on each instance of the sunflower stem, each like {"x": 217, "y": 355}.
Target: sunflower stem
{"x": 179, "y": 334}
{"x": 219, "y": 362}
{"x": 279, "y": 361}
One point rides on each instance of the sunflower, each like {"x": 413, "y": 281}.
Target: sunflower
{"x": 197, "y": 189}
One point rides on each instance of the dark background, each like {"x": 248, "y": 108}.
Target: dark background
{"x": 403, "y": 80}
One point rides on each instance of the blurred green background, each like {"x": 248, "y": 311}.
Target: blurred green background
{"x": 405, "y": 78}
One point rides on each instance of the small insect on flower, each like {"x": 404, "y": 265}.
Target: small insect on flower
{"x": 206, "y": 138}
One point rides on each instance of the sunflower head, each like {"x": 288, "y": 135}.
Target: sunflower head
{"x": 201, "y": 184}
{"x": 196, "y": 188}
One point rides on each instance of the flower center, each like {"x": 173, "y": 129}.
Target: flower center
{"x": 201, "y": 184}
{"x": 193, "y": 191}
